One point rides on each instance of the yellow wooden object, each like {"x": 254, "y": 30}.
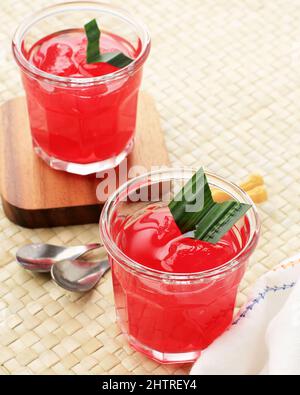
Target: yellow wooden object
{"x": 254, "y": 186}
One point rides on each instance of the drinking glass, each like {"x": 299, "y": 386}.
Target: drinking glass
{"x": 82, "y": 125}
{"x": 171, "y": 317}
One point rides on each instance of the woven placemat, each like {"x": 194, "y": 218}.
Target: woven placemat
{"x": 225, "y": 75}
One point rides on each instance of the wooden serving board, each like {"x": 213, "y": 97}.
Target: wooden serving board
{"x": 34, "y": 195}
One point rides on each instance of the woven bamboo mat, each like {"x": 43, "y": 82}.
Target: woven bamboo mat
{"x": 226, "y": 78}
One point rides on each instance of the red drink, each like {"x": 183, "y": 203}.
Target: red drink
{"x": 82, "y": 125}
{"x": 167, "y": 319}
{"x": 155, "y": 241}
{"x": 82, "y": 116}
{"x": 174, "y": 295}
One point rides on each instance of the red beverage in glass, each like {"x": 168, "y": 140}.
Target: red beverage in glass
{"x": 174, "y": 295}
{"x": 166, "y": 319}
{"x": 82, "y": 116}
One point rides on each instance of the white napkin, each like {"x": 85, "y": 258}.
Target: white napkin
{"x": 265, "y": 336}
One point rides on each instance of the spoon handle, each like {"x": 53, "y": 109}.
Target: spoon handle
{"x": 76, "y": 251}
{"x": 93, "y": 246}
{"x": 84, "y": 249}
{"x": 104, "y": 267}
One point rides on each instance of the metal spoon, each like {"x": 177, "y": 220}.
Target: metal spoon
{"x": 41, "y": 257}
{"x": 78, "y": 276}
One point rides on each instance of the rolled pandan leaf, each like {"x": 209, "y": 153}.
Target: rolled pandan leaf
{"x": 93, "y": 54}
{"x": 194, "y": 210}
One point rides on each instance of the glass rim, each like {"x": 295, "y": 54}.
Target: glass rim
{"x": 106, "y": 8}
{"x": 117, "y": 254}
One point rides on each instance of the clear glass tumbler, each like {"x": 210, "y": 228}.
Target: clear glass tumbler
{"x": 171, "y": 317}
{"x": 82, "y": 125}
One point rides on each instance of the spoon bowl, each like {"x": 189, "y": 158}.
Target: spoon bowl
{"x": 78, "y": 276}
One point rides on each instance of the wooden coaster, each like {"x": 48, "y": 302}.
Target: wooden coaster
{"x": 34, "y": 195}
